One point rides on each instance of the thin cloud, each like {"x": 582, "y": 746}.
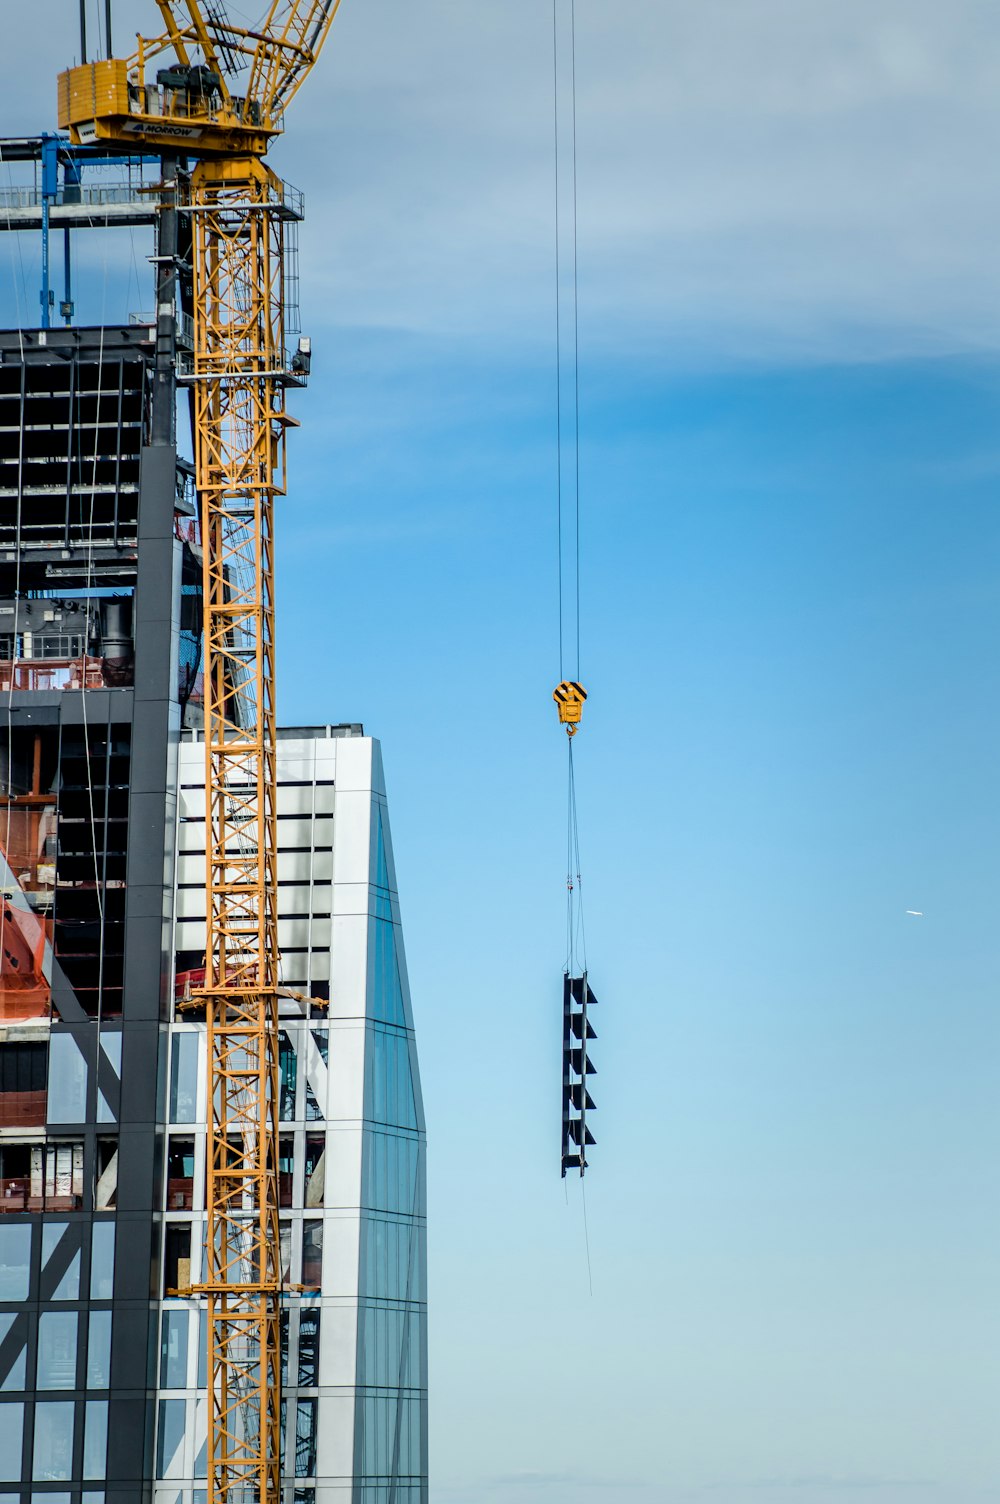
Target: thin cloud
{"x": 531, "y": 1482}
{"x": 764, "y": 181}
{"x": 832, "y": 1483}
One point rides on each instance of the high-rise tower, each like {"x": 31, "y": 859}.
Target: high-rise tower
{"x": 102, "y": 1066}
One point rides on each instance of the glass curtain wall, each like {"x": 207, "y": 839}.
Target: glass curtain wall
{"x": 391, "y": 1412}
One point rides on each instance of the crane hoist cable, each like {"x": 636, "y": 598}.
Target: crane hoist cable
{"x": 570, "y": 694}
{"x": 568, "y": 568}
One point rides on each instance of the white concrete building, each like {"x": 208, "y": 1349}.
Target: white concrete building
{"x": 352, "y": 1175}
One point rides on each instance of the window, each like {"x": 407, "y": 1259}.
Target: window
{"x": 286, "y": 1169}
{"x": 305, "y": 1438}
{"x": 67, "y": 1081}
{"x": 389, "y": 1168}
{"x": 15, "y": 1177}
{"x": 56, "y": 1177}
{"x": 383, "y": 1419}
{"x": 59, "y": 645}
{"x": 389, "y": 1084}
{"x": 387, "y": 998}
{"x": 111, "y": 1044}
{"x": 169, "y": 1439}
{"x": 23, "y": 1067}
{"x": 202, "y": 1349}
{"x": 15, "y": 1254}
{"x": 11, "y": 1433}
{"x": 312, "y": 1253}
{"x": 315, "y": 1169}
{"x": 288, "y": 1066}
{"x": 184, "y": 1051}
{"x": 390, "y": 1257}
{"x": 314, "y": 1112}
{"x": 53, "y": 1459}
{"x": 180, "y": 1174}
{"x": 99, "y": 1350}
{"x": 95, "y": 1439}
{"x": 68, "y": 1284}
{"x": 14, "y": 1377}
{"x": 56, "y": 1368}
{"x": 389, "y": 1340}
{"x": 102, "y": 1260}
{"x": 106, "y": 1190}
{"x": 174, "y": 1350}
{"x": 309, "y": 1347}
{"x": 105, "y": 1112}
{"x": 109, "y": 1069}
{"x": 177, "y": 1257}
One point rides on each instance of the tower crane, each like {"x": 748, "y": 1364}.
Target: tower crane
{"x": 216, "y": 92}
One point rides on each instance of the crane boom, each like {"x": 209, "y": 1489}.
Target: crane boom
{"x": 298, "y": 29}
{"x": 239, "y": 377}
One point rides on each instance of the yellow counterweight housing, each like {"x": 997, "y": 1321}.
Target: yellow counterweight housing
{"x": 110, "y": 101}
{"x": 92, "y": 91}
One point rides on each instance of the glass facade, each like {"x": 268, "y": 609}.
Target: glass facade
{"x": 391, "y": 1413}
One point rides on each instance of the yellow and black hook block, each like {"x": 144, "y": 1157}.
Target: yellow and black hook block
{"x": 569, "y": 698}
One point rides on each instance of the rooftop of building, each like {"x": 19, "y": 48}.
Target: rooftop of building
{"x": 292, "y": 733}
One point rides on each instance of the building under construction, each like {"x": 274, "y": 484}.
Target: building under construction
{"x": 106, "y": 1118}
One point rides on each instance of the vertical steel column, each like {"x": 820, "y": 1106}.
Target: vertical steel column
{"x": 239, "y": 452}
{"x": 163, "y": 417}
{"x": 50, "y": 190}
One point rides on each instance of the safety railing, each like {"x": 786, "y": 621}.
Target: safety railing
{"x": 93, "y": 195}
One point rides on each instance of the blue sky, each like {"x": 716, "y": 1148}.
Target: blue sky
{"x": 790, "y": 401}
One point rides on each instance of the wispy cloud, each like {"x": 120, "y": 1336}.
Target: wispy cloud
{"x": 531, "y": 1481}
{"x": 755, "y": 181}
{"x": 536, "y": 1480}
{"x": 829, "y": 1483}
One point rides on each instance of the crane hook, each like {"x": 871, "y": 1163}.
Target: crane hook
{"x": 569, "y": 698}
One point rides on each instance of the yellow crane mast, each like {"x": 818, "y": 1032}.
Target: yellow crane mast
{"x": 240, "y": 374}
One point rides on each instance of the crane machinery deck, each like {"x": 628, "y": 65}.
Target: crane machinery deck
{"x": 175, "y": 96}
